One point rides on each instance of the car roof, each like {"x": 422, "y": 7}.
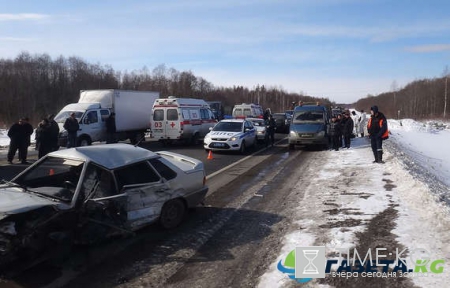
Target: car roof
{"x": 310, "y": 108}
{"x": 110, "y": 156}
{"x": 232, "y": 120}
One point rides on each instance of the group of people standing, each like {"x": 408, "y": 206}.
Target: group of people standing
{"x": 20, "y": 135}
{"x": 345, "y": 126}
{"x": 341, "y": 130}
{"x": 47, "y": 134}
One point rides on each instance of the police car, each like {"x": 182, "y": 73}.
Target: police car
{"x": 231, "y": 135}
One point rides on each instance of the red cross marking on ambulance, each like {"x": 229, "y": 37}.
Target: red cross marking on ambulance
{"x": 172, "y": 124}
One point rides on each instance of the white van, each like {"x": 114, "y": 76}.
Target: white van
{"x": 185, "y": 119}
{"x": 247, "y": 111}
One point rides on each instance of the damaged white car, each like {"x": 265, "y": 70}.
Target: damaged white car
{"x": 87, "y": 194}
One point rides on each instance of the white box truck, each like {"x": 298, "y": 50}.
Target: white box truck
{"x": 132, "y": 109}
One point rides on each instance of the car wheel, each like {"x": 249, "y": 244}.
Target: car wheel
{"x": 195, "y": 139}
{"x": 84, "y": 141}
{"x": 242, "y": 148}
{"x": 172, "y": 214}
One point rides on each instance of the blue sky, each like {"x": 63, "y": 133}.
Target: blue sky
{"x": 340, "y": 49}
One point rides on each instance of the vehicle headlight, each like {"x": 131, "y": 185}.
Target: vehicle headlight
{"x": 321, "y": 134}
{"x": 292, "y": 134}
{"x": 260, "y": 132}
{"x": 234, "y": 138}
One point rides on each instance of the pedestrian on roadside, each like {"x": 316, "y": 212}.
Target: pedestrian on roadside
{"x": 347, "y": 129}
{"x": 111, "y": 129}
{"x": 378, "y": 131}
{"x": 54, "y": 132}
{"x": 23, "y": 151}
{"x": 44, "y": 132}
{"x": 271, "y": 126}
{"x": 71, "y": 125}
{"x": 355, "y": 121}
{"x": 18, "y": 139}
{"x": 340, "y": 120}
{"x": 335, "y": 133}
{"x": 362, "y": 123}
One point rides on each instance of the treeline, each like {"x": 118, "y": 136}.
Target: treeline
{"x": 36, "y": 85}
{"x": 420, "y": 99}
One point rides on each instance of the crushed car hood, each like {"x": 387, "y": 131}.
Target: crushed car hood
{"x": 13, "y": 201}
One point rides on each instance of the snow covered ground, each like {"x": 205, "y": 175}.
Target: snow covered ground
{"x": 414, "y": 181}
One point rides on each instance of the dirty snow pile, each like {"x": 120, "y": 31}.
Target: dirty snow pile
{"x": 358, "y": 190}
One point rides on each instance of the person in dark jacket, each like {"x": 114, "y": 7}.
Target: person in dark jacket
{"x": 271, "y": 125}
{"x": 111, "y": 129}
{"x": 335, "y": 132}
{"x": 347, "y": 129}
{"x": 339, "y": 120}
{"x": 54, "y": 132}
{"x": 377, "y": 129}
{"x": 71, "y": 125}
{"x": 18, "y": 135}
{"x": 23, "y": 150}
{"x": 44, "y": 132}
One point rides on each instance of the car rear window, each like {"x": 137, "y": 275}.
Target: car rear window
{"x": 163, "y": 169}
{"x": 139, "y": 173}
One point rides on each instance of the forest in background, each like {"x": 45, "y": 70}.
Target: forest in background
{"x": 36, "y": 85}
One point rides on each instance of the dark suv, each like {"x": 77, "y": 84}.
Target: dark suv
{"x": 283, "y": 122}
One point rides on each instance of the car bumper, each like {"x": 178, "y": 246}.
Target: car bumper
{"x": 308, "y": 141}
{"x": 196, "y": 197}
{"x": 221, "y": 145}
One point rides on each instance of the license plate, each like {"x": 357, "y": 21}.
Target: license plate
{"x": 306, "y": 135}
{"x": 218, "y": 145}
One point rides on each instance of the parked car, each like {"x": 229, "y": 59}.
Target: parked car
{"x": 231, "y": 135}
{"x": 261, "y": 129}
{"x": 282, "y": 121}
{"x": 88, "y": 194}
{"x": 309, "y": 126}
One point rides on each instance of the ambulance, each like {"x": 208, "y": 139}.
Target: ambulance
{"x": 185, "y": 119}
{"x": 245, "y": 110}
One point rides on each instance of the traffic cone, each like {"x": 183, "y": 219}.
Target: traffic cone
{"x": 209, "y": 155}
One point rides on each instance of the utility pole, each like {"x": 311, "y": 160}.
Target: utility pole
{"x": 445, "y": 96}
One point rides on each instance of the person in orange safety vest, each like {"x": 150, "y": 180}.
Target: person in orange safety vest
{"x": 378, "y": 131}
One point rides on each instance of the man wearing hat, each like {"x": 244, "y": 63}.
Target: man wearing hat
{"x": 378, "y": 131}
{"x": 71, "y": 125}
{"x": 18, "y": 135}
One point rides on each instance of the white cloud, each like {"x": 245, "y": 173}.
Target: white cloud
{"x": 428, "y": 48}
{"x": 22, "y": 16}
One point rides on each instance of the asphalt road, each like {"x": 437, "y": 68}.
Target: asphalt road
{"x": 219, "y": 161}
{"x": 151, "y": 245}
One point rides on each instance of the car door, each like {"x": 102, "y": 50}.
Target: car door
{"x": 146, "y": 193}
{"x": 93, "y": 125}
{"x": 102, "y": 206}
{"x": 249, "y": 132}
